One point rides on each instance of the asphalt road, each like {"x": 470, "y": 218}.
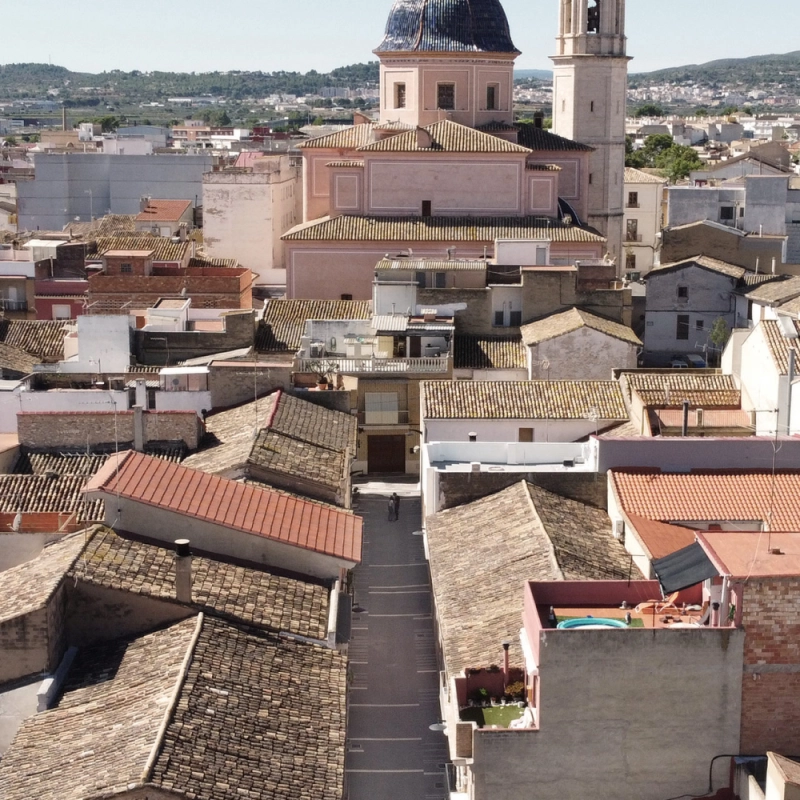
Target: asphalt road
{"x": 392, "y": 753}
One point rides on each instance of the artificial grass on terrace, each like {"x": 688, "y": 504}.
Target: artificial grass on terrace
{"x": 502, "y": 716}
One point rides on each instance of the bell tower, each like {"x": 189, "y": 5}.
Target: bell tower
{"x": 589, "y": 93}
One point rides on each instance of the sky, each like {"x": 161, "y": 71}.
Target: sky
{"x": 300, "y": 35}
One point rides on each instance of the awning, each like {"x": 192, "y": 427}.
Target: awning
{"x": 684, "y": 568}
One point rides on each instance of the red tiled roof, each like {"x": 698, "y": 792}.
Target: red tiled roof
{"x": 163, "y": 211}
{"x": 729, "y": 495}
{"x": 244, "y": 507}
{"x": 660, "y": 538}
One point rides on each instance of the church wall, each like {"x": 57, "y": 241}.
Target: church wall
{"x": 347, "y": 190}
{"x": 455, "y": 186}
{"x": 542, "y": 193}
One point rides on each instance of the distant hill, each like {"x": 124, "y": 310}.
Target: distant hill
{"x": 36, "y": 80}
{"x": 756, "y": 72}
{"x": 539, "y": 74}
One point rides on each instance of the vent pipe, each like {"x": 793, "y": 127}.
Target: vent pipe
{"x": 183, "y": 571}
{"x": 506, "y": 664}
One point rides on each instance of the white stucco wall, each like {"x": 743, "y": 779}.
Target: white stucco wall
{"x": 507, "y": 430}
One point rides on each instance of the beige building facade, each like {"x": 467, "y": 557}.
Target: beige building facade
{"x": 644, "y": 199}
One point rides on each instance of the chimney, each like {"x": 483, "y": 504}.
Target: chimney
{"x": 182, "y": 232}
{"x": 538, "y": 119}
{"x": 144, "y": 202}
{"x": 506, "y": 664}
{"x": 138, "y": 429}
{"x": 183, "y": 571}
{"x": 141, "y": 393}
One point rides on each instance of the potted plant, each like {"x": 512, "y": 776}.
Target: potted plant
{"x": 325, "y": 370}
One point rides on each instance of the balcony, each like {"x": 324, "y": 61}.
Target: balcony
{"x": 371, "y": 365}
{"x": 633, "y": 237}
{"x": 13, "y": 305}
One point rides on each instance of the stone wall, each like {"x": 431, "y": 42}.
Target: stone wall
{"x": 105, "y": 429}
{"x": 771, "y": 684}
{"x": 231, "y": 384}
{"x": 457, "y": 488}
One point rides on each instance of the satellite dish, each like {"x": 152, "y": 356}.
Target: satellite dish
{"x": 17, "y": 523}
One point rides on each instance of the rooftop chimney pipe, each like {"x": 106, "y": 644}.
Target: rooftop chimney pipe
{"x": 183, "y": 571}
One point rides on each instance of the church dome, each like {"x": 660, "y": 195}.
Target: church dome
{"x": 447, "y": 26}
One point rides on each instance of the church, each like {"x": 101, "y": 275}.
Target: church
{"x": 446, "y": 172}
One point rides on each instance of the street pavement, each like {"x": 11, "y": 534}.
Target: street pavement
{"x": 391, "y": 752}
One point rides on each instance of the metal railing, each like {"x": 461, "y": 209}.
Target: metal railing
{"x": 633, "y": 237}
{"x": 14, "y": 305}
{"x": 380, "y": 365}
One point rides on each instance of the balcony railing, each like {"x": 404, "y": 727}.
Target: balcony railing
{"x": 13, "y": 305}
{"x": 383, "y": 417}
{"x": 633, "y": 237}
{"x": 432, "y": 364}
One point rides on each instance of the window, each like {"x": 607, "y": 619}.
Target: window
{"x": 525, "y": 435}
{"x": 347, "y": 297}
{"x": 683, "y": 293}
{"x": 446, "y": 96}
{"x": 630, "y": 261}
{"x": 515, "y": 318}
{"x": 441, "y": 280}
{"x": 399, "y": 95}
{"x": 633, "y": 199}
{"x": 125, "y": 268}
{"x": 632, "y": 230}
{"x": 590, "y": 179}
{"x": 491, "y": 96}
{"x": 682, "y": 328}
{"x": 381, "y": 408}
{"x": 420, "y": 280}
{"x": 699, "y": 325}
{"x": 426, "y": 208}
{"x": 499, "y": 319}
{"x": 726, "y": 213}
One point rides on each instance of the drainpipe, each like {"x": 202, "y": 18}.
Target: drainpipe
{"x": 685, "y": 426}
{"x": 792, "y": 356}
{"x": 138, "y": 429}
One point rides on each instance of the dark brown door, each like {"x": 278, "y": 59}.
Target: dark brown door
{"x": 416, "y": 347}
{"x": 386, "y": 454}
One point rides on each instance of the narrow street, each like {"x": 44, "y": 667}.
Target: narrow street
{"x": 392, "y": 753}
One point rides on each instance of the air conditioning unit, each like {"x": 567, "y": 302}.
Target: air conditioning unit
{"x": 619, "y": 529}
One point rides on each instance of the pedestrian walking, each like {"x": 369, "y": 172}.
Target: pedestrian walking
{"x": 391, "y": 509}
{"x": 396, "y": 505}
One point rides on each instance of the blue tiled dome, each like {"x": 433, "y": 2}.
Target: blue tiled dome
{"x": 447, "y": 26}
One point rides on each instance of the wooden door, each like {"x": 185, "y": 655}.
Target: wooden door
{"x": 386, "y": 454}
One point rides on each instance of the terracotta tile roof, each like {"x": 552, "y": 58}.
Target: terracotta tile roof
{"x": 296, "y": 438}
{"x": 241, "y": 594}
{"x": 445, "y": 136}
{"x": 261, "y": 512}
{"x": 733, "y": 495}
{"x": 164, "y": 211}
{"x": 625, "y": 430}
{"x": 668, "y": 387}
{"x": 97, "y": 740}
{"x": 257, "y": 717}
{"x": 698, "y": 398}
{"x": 704, "y": 262}
{"x": 536, "y": 535}
{"x": 757, "y": 278}
{"x": 204, "y": 261}
{"x": 109, "y": 225}
{"x": 430, "y": 265}
{"x": 791, "y": 307}
{"x": 712, "y": 418}
{"x": 12, "y": 359}
{"x": 349, "y": 139}
{"x": 775, "y": 292}
{"x": 778, "y": 345}
{"x": 572, "y": 320}
{"x": 439, "y": 229}
{"x": 538, "y": 139}
{"x": 522, "y": 400}
{"x": 284, "y": 321}
{"x": 86, "y": 465}
{"x": 637, "y": 176}
{"x": 28, "y": 587}
{"x": 351, "y": 164}
{"x": 488, "y": 352}
{"x": 43, "y": 339}
{"x": 393, "y": 125}
{"x": 659, "y": 538}
{"x": 49, "y": 493}
{"x": 164, "y": 249}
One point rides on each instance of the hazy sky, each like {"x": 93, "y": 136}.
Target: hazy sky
{"x": 207, "y": 35}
